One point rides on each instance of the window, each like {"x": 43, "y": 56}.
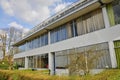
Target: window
{"x": 90, "y": 22}
{"x": 35, "y": 43}
{"x": 116, "y": 9}
{"x": 20, "y": 62}
{"x": 61, "y": 60}
{"x": 69, "y": 32}
{"x": 42, "y": 40}
{"x": 58, "y": 34}
{"x": 22, "y": 48}
{"x": 114, "y": 12}
{"x": 38, "y": 61}
{"x": 97, "y": 57}
{"x": 74, "y": 28}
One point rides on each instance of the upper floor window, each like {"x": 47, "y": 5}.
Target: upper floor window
{"x": 116, "y": 9}
{"x": 114, "y": 12}
{"x": 74, "y": 28}
{"x": 58, "y": 34}
{"x": 90, "y": 22}
{"x": 34, "y": 43}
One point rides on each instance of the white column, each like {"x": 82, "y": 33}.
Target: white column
{"x": 51, "y": 63}
{"x": 111, "y": 45}
{"x": 26, "y": 62}
{"x": 48, "y": 37}
{"x": 112, "y": 54}
{"x": 51, "y": 58}
{"x": 105, "y": 17}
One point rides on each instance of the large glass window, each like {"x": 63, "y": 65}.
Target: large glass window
{"x": 58, "y": 34}
{"x": 61, "y": 60}
{"x": 20, "y": 62}
{"x": 90, "y": 22}
{"x": 34, "y": 43}
{"x": 38, "y": 42}
{"x": 116, "y": 8}
{"x": 38, "y": 61}
{"x": 92, "y": 57}
{"x": 69, "y": 32}
{"x": 22, "y": 48}
{"x": 42, "y": 61}
{"x": 114, "y": 12}
{"x": 74, "y": 28}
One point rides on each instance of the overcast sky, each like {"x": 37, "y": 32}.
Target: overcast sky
{"x": 25, "y": 14}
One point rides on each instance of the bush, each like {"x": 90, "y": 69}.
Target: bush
{"x": 4, "y": 65}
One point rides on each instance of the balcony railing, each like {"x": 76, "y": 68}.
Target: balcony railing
{"x": 58, "y": 15}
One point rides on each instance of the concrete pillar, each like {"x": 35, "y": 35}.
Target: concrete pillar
{"x": 52, "y": 63}
{"x": 26, "y": 46}
{"x": 112, "y": 54}
{"x": 26, "y": 62}
{"x": 105, "y": 17}
{"x": 51, "y": 58}
{"x": 111, "y": 45}
{"x": 48, "y": 37}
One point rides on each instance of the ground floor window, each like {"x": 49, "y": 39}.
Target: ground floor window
{"x": 88, "y": 57}
{"x": 61, "y": 59}
{"x": 20, "y": 62}
{"x": 38, "y": 61}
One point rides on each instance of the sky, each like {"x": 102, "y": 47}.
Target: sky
{"x": 26, "y": 14}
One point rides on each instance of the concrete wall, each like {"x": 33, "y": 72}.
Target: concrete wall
{"x": 62, "y": 72}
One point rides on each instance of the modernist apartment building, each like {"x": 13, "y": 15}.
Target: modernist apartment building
{"x": 86, "y": 26}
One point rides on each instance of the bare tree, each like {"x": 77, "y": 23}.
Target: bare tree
{"x": 7, "y": 39}
{"x": 3, "y": 43}
{"x": 13, "y": 35}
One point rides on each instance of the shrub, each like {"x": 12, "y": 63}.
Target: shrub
{"x": 4, "y": 65}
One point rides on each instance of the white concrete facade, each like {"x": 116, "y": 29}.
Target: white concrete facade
{"x": 108, "y": 34}
{"x": 104, "y": 35}
{"x": 100, "y": 36}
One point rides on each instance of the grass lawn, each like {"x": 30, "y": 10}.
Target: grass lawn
{"x": 113, "y": 74}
